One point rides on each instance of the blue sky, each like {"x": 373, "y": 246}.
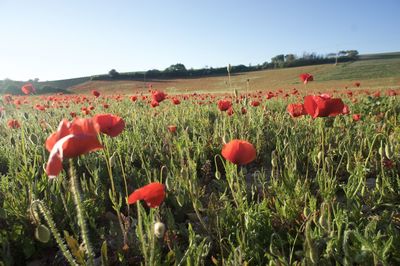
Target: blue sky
{"x": 65, "y": 39}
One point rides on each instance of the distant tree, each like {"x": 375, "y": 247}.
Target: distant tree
{"x": 278, "y": 60}
{"x": 290, "y": 58}
{"x": 353, "y": 54}
{"x": 153, "y": 73}
{"x": 265, "y": 65}
{"x": 12, "y": 89}
{"x": 176, "y": 68}
{"x": 113, "y": 73}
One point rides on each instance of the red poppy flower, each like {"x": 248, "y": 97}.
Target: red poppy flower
{"x": 158, "y": 96}
{"x": 270, "y": 95}
{"x": 175, "y": 101}
{"x": 71, "y": 140}
{"x": 239, "y": 152}
{"x": 153, "y": 194}
{"x": 323, "y": 105}
{"x": 391, "y": 92}
{"x": 133, "y": 98}
{"x": 296, "y": 109}
{"x": 357, "y": 84}
{"x": 95, "y": 93}
{"x": 389, "y": 164}
{"x": 172, "y": 128}
{"x": 13, "y": 124}
{"x": 377, "y": 94}
{"x": 230, "y": 111}
{"x": 255, "y": 103}
{"x": 346, "y": 110}
{"x": 306, "y": 77}
{"x": 154, "y": 103}
{"x": 244, "y": 111}
{"x": 40, "y": 107}
{"x": 356, "y": 117}
{"x": 224, "y": 105}
{"x": 28, "y": 88}
{"x": 105, "y": 105}
{"x": 109, "y": 124}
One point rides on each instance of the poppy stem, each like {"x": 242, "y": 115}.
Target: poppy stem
{"x": 113, "y": 194}
{"x": 140, "y": 230}
{"x": 80, "y": 211}
{"x": 50, "y": 222}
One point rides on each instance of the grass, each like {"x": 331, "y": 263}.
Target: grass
{"x": 322, "y": 191}
{"x": 374, "y": 74}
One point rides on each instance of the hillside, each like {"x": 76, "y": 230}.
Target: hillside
{"x": 372, "y": 70}
{"x": 373, "y": 73}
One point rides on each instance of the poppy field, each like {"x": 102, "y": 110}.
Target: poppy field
{"x": 259, "y": 177}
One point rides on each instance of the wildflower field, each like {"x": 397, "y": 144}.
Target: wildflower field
{"x": 262, "y": 177}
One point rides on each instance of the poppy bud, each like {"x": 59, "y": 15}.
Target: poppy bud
{"x": 217, "y": 175}
{"x": 159, "y": 229}
{"x": 388, "y": 151}
{"x": 380, "y": 151}
{"x": 319, "y": 156}
{"x": 42, "y": 233}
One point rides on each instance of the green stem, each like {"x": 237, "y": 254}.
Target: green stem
{"x": 49, "y": 219}
{"x": 113, "y": 190}
{"x": 140, "y": 232}
{"x": 80, "y": 211}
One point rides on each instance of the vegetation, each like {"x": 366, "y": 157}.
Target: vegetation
{"x": 179, "y": 70}
{"x": 320, "y": 191}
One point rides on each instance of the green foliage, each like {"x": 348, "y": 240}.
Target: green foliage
{"x": 319, "y": 191}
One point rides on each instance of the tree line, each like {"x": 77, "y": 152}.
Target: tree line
{"x": 280, "y": 61}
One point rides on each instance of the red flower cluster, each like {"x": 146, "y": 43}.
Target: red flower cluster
{"x": 318, "y": 106}
{"x": 158, "y": 96}
{"x": 323, "y": 105}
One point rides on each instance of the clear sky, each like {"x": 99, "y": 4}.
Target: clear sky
{"x": 71, "y": 38}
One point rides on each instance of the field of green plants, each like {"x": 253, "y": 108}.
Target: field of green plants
{"x": 322, "y": 190}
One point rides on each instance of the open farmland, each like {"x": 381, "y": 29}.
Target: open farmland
{"x": 302, "y": 191}
{"x": 373, "y": 74}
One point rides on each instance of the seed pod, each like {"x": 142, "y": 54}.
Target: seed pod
{"x": 380, "y": 150}
{"x": 324, "y": 216}
{"x": 159, "y": 229}
{"x": 112, "y": 159}
{"x": 274, "y": 160}
{"x": 217, "y": 175}
{"x": 388, "y": 151}
{"x": 348, "y": 165}
{"x": 319, "y": 156}
{"x": 42, "y": 233}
